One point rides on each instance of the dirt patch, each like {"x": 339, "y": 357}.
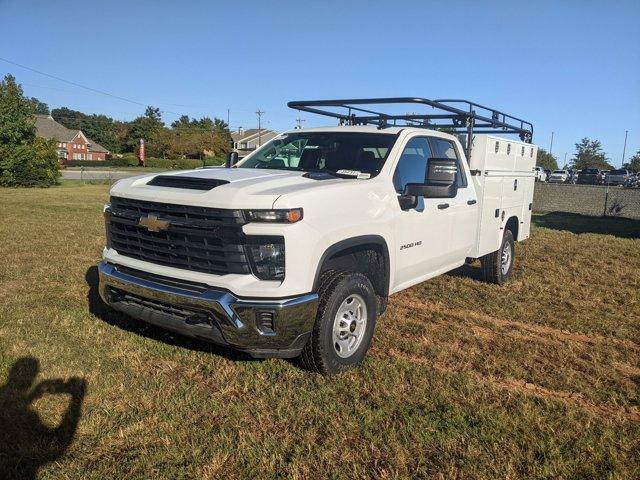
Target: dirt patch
{"x": 540, "y": 330}
{"x": 521, "y": 386}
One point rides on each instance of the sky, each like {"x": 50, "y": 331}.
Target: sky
{"x": 570, "y": 67}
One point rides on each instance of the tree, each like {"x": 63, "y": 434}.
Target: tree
{"x": 146, "y": 127}
{"x": 17, "y": 124}
{"x": 38, "y": 107}
{"x": 195, "y": 138}
{"x": 633, "y": 163}
{"x": 589, "y": 154}
{"x": 25, "y": 160}
{"x": 546, "y": 160}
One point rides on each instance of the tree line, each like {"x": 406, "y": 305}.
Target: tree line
{"x": 588, "y": 154}
{"x": 184, "y": 138}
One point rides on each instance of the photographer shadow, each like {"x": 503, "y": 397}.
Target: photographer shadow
{"x": 26, "y": 443}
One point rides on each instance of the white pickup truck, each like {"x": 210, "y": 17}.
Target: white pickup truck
{"x": 295, "y": 250}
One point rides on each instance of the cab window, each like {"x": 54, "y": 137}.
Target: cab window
{"x": 412, "y": 166}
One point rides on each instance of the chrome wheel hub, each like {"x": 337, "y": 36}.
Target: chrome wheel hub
{"x": 349, "y": 325}
{"x": 505, "y": 260}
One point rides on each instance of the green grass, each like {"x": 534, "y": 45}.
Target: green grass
{"x": 536, "y": 379}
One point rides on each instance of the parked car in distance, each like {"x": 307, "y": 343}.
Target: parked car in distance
{"x": 633, "y": 181}
{"x": 618, "y": 177}
{"x": 541, "y": 174}
{"x": 573, "y": 176}
{"x": 589, "y": 176}
{"x": 559, "y": 176}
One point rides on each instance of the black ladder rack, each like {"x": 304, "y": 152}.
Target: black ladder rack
{"x": 450, "y": 115}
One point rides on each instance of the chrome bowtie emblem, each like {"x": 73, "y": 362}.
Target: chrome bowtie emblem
{"x": 153, "y": 223}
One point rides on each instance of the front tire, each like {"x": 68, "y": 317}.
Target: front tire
{"x": 497, "y": 266}
{"x": 345, "y": 323}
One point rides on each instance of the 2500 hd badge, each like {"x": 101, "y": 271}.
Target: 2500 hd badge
{"x": 412, "y": 244}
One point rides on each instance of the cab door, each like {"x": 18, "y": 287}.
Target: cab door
{"x": 463, "y": 208}
{"x": 423, "y": 233}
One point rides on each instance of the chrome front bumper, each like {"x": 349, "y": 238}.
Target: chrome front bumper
{"x": 262, "y": 328}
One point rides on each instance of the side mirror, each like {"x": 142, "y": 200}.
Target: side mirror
{"x": 441, "y": 184}
{"x": 232, "y": 159}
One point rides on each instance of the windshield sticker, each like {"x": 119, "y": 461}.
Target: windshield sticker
{"x": 355, "y": 173}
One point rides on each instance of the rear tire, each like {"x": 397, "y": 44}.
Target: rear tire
{"x": 497, "y": 266}
{"x": 345, "y": 323}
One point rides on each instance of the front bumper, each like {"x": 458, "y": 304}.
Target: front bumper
{"x": 262, "y": 328}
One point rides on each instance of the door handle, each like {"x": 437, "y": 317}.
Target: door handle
{"x": 442, "y": 206}
{"x": 471, "y": 202}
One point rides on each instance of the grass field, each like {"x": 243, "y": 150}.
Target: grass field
{"x": 537, "y": 379}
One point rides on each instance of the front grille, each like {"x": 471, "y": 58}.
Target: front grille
{"x": 200, "y": 239}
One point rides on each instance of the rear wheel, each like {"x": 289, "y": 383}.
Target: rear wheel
{"x": 497, "y": 266}
{"x": 344, "y": 324}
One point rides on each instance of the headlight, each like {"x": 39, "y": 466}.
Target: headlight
{"x": 292, "y": 215}
{"x": 266, "y": 255}
{"x": 106, "y": 210}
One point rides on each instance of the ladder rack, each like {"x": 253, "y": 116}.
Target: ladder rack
{"x": 450, "y": 115}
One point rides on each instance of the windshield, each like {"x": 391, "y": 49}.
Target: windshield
{"x": 341, "y": 153}
{"x": 590, "y": 171}
{"x": 559, "y": 171}
{"x": 618, "y": 172}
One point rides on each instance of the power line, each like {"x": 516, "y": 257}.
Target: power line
{"x": 94, "y": 90}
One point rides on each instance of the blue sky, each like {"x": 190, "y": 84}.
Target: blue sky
{"x": 571, "y": 67}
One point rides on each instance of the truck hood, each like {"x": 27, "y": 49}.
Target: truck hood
{"x": 247, "y": 187}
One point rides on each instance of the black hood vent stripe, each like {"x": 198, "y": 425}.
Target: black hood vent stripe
{"x": 191, "y": 183}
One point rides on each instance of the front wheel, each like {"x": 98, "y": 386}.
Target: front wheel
{"x": 345, "y": 322}
{"x": 497, "y": 265}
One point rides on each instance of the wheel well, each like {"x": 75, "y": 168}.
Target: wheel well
{"x": 370, "y": 259}
{"x": 513, "y": 225}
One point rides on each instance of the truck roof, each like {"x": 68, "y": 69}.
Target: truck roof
{"x": 395, "y": 131}
{"x": 355, "y": 129}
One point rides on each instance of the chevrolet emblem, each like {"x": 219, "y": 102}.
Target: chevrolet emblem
{"x": 153, "y": 223}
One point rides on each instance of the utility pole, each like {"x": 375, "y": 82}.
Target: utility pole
{"x": 565, "y": 159}
{"x": 227, "y": 118}
{"x": 300, "y": 121}
{"x": 624, "y": 149}
{"x": 259, "y": 113}
{"x": 551, "y": 146}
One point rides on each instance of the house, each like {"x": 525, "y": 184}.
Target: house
{"x": 72, "y": 144}
{"x": 246, "y": 141}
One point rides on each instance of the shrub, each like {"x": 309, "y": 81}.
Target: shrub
{"x": 113, "y": 162}
{"x": 29, "y": 164}
{"x": 182, "y": 163}
{"x": 132, "y": 161}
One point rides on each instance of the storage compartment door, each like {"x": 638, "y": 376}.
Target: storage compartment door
{"x": 489, "y": 233}
{"x": 525, "y": 226}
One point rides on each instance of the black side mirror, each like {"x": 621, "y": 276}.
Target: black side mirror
{"x": 232, "y": 159}
{"x": 441, "y": 183}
